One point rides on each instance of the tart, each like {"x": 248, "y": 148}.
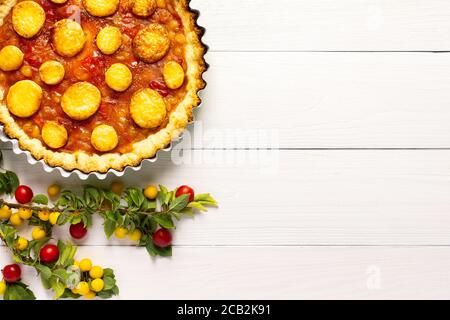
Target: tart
{"x": 93, "y": 85}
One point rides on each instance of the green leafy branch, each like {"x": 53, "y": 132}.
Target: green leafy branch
{"x": 62, "y": 276}
{"x": 133, "y": 211}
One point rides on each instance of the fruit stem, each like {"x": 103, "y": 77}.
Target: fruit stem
{"x": 19, "y": 206}
{"x": 46, "y": 208}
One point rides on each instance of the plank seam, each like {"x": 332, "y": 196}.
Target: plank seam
{"x": 403, "y": 246}
{"x": 329, "y": 51}
{"x": 309, "y": 149}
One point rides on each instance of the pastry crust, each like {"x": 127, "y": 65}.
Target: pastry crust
{"x": 147, "y": 148}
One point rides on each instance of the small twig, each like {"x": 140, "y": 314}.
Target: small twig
{"x": 19, "y": 206}
{"x": 46, "y": 208}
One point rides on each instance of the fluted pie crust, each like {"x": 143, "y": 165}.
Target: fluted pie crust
{"x": 147, "y": 148}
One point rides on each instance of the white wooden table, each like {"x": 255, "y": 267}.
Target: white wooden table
{"x": 342, "y": 188}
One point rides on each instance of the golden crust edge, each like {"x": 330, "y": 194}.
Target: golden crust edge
{"x": 5, "y": 8}
{"x": 147, "y": 148}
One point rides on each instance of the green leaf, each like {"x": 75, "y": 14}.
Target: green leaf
{"x": 45, "y": 283}
{"x": 205, "y": 199}
{"x": 9, "y": 234}
{"x": 64, "y": 218}
{"x": 126, "y": 221}
{"x": 92, "y": 196}
{"x": 164, "y": 195}
{"x": 3, "y": 184}
{"x": 148, "y": 205}
{"x": 107, "y": 272}
{"x": 134, "y": 197}
{"x": 75, "y": 219}
{"x": 69, "y": 294}
{"x": 37, "y": 245}
{"x": 66, "y": 253}
{"x": 115, "y": 290}
{"x": 69, "y": 200}
{"x": 164, "y": 252}
{"x": 109, "y": 226}
{"x": 58, "y": 288}
{"x": 62, "y": 251}
{"x": 61, "y": 202}
{"x": 197, "y": 205}
{"x": 8, "y": 182}
{"x": 179, "y": 203}
{"x": 45, "y": 271}
{"x": 13, "y": 181}
{"x": 109, "y": 283}
{"x": 61, "y": 274}
{"x": 113, "y": 198}
{"x": 40, "y": 199}
{"x": 176, "y": 215}
{"x": 73, "y": 250}
{"x": 86, "y": 217}
{"x": 18, "y": 291}
{"x": 152, "y": 225}
{"x": 188, "y": 212}
{"x": 105, "y": 294}
{"x": 112, "y": 215}
{"x": 151, "y": 248}
{"x": 165, "y": 220}
{"x": 154, "y": 250}
{"x": 149, "y": 224}
{"x": 120, "y": 220}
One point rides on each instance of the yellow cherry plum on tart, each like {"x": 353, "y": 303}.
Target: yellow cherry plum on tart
{"x": 28, "y": 18}
{"x": 95, "y": 85}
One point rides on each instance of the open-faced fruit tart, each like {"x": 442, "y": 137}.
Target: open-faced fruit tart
{"x": 95, "y": 85}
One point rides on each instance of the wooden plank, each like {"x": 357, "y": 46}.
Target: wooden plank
{"x": 297, "y": 197}
{"x": 293, "y": 25}
{"x": 323, "y": 100}
{"x": 271, "y": 272}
